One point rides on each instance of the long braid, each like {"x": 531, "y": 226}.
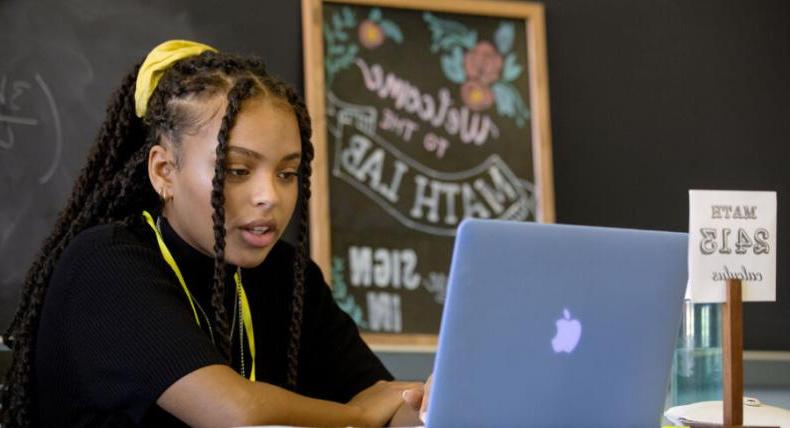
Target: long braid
{"x": 301, "y": 253}
{"x": 116, "y": 165}
{"x": 300, "y": 262}
{"x": 84, "y": 207}
{"x": 101, "y": 159}
{"x": 237, "y": 94}
{"x": 279, "y": 90}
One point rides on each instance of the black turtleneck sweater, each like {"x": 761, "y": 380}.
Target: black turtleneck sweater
{"x": 117, "y": 330}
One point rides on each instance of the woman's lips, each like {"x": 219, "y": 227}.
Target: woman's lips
{"x": 258, "y": 236}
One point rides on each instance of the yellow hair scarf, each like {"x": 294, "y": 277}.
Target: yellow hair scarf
{"x": 156, "y": 63}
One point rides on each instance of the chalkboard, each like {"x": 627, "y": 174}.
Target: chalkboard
{"x": 60, "y": 63}
{"x": 647, "y": 102}
{"x": 423, "y": 117}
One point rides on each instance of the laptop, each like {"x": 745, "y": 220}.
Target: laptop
{"x": 557, "y": 326}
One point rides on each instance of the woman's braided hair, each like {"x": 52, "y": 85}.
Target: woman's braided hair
{"x": 113, "y": 187}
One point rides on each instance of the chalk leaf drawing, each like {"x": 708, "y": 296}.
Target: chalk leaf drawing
{"x": 484, "y": 70}
{"x": 342, "y": 48}
{"x": 344, "y": 300}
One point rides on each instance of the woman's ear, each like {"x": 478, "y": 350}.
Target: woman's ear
{"x": 161, "y": 168}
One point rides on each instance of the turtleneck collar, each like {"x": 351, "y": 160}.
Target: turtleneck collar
{"x": 196, "y": 267}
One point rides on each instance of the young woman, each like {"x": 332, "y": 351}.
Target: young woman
{"x": 164, "y": 295}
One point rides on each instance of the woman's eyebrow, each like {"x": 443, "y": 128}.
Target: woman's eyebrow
{"x": 253, "y": 154}
{"x": 292, "y": 156}
{"x": 244, "y": 152}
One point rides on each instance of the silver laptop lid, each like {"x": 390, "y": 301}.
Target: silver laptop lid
{"x": 557, "y": 326}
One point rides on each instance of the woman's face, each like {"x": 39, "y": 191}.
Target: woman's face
{"x": 261, "y": 183}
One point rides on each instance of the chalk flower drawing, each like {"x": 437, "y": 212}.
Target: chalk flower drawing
{"x": 374, "y": 30}
{"x": 370, "y": 34}
{"x": 344, "y": 300}
{"x": 484, "y": 71}
{"x": 342, "y": 48}
{"x": 476, "y": 95}
{"x": 483, "y": 63}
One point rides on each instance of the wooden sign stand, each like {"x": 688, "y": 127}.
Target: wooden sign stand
{"x": 732, "y": 354}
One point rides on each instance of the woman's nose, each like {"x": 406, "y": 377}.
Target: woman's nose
{"x": 265, "y": 194}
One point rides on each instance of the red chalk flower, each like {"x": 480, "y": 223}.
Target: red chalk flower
{"x": 483, "y": 63}
{"x": 476, "y": 95}
{"x": 370, "y": 34}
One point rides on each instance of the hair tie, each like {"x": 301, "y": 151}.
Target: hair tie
{"x": 156, "y": 63}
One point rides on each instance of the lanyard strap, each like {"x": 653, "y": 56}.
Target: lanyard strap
{"x": 172, "y": 262}
{"x": 245, "y": 305}
{"x": 247, "y": 317}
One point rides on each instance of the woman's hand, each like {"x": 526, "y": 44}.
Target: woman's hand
{"x": 379, "y": 402}
{"x": 418, "y": 398}
{"x": 216, "y": 395}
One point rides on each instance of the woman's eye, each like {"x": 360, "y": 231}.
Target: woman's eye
{"x": 287, "y": 175}
{"x": 238, "y": 172}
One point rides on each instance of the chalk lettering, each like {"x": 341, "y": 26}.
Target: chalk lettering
{"x": 436, "y": 144}
{"x": 402, "y": 127}
{"x": 370, "y": 168}
{"x": 497, "y": 195}
{"x": 435, "y": 201}
{"x": 383, "y": 267}
{"x": 384, "y": 312}
{"x": 469, "y": 127}
{"x": 429, "y": 194}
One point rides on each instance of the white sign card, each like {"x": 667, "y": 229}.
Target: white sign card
{"x": 732, "y": 235}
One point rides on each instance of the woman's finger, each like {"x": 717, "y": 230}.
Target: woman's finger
{"x": 425, "y": 397}
{"x": 413, "y": 397}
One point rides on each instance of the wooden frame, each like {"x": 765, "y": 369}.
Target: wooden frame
{"x": 320, "y": 227}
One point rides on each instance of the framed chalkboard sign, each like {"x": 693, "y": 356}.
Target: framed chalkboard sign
{"x": 424, "y": 113}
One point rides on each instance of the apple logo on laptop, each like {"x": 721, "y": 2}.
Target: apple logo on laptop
{"x": 569, "y": 331}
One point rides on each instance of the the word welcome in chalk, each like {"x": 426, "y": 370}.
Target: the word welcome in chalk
{"x": 437, "y": 111}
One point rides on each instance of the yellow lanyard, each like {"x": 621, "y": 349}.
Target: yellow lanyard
{"x": 246, "y": 315}
{"x": 245, "y": 305}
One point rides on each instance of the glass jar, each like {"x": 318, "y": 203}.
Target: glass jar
{"x": 697, "y": 366}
